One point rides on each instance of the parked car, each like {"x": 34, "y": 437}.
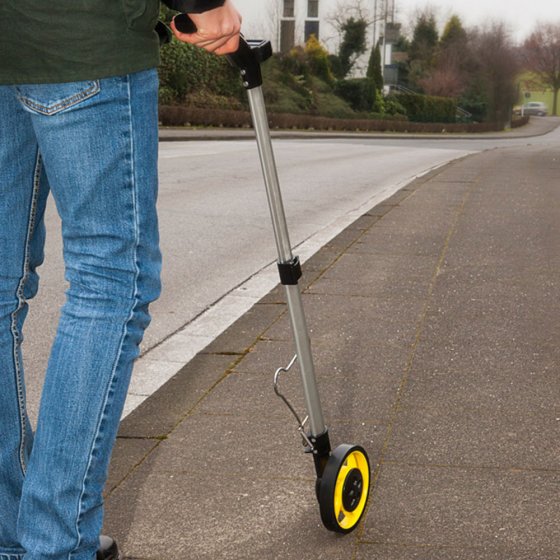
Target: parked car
{"x": 535, "y": 108}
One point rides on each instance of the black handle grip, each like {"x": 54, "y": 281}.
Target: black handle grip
{"x": 247, "y": 59}
{"x": 184, "y": 24}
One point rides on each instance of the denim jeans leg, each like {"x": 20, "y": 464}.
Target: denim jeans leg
{"x": 98, "y": 142}
{"x": 23, "y": 194}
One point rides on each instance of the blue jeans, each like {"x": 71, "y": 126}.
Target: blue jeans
{"x": 94, "y": 146}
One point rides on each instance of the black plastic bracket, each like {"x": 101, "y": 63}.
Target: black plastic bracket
{"x": 248, "y": 59}
{"x": 321, "y": 451}
{"x": 290, "y": 272}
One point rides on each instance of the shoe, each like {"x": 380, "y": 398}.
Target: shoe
{"x": 108, "y": 549}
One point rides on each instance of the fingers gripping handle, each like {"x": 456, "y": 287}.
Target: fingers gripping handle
{"x": 184, "y": 24}
{"x": 247, "y": 59}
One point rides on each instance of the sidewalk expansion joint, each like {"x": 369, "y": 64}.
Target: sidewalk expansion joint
{"x": 144, "y": 438}
{"x": 360, "y": 234}
{"x": 420, "y": 324}
{"x": 159, "y": 439}
{"x": 433, "y": 546}
{"x": 514, "y": 469}
{"x": 163, "y": 437}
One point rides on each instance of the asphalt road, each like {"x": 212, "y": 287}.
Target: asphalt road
{"x": 215, "y": 227}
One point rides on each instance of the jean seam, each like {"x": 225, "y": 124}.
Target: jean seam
{"x": 20, "y": 294}
{"x": 68, "y": 102}
{"x": 103, "y": 414}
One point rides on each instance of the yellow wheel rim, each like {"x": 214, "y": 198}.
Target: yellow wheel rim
{"x": 347, "y": 519}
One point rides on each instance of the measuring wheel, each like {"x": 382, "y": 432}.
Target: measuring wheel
{"x": 344, "y": 488}
{"x": 343, "y": 476}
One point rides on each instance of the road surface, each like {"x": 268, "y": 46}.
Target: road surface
{"x": 217, "y": 239}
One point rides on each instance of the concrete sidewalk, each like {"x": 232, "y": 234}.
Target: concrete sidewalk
{"x": 435, "y": 321}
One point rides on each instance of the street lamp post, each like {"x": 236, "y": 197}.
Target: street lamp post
{"x": 384, "y": 47}
{"x": 374, "y": 23}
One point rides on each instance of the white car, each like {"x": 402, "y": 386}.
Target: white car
{"x": 535, "y": 108}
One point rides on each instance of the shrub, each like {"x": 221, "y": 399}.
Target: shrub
{"x": 317, "y": 58}
{"x": 184, "y": 69}
{"x": 426, "y": 108}
{"x": 295, "y": 62}
{"x": 360, "y": 93}
{"x": 393, "y": 106}
{"x": 379, "y": 103}
{"x": 285, "y": 87}
{"x": 179, "y": 116}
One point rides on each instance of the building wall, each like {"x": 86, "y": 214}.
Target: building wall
{"x": 263, "y": 19}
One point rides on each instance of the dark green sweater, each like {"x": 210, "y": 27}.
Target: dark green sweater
{"x": 51, "y": 41}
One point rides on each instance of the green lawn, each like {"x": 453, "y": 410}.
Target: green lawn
{"x": 529, "y": 83}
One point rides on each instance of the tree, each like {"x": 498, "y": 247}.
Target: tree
{"x": 541, "y": 55}
{"x": 374, "y": 66}
{"x": 449, "y": 76}
{"x": 496, "y": 72}
{"x": 342, "y": 12}
{"x": 350, "y": 22}
{"x": 423, "y": 47}
{"x": 401, "y": 51}
{"x": 454, "y": 34}
{"x": 443, "y": 81}
{"x": 353, "y": 44}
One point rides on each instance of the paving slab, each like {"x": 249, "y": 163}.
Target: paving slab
{"x": 181, "y": 516}
{"x": 489, "y": 436}
{"x": 434, "y": 322}
{"x": 430, "y": 552}
{"x": 419, "y": 505}
{"x": 379, "y": 276}
{"x": 163, "y": 411}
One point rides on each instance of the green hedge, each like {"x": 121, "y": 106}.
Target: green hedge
{"x": 190, "y": 116}
{"x": 185, "y": 69}
{"x": 359, "y": 93}
{"x": 426, "y": 108}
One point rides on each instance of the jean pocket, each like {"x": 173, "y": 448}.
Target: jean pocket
{"x": 51, "y": 99}
{"x": 141, "y": 15}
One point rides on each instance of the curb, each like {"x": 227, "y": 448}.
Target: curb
{"x": 182, "y": 134}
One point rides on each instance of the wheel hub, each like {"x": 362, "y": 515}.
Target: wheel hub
{"x": 352, "y": 490}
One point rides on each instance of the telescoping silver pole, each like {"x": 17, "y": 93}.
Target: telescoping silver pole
{"x": 343, "y": 474}
{"x": 293, "y": 295}
{"x": 248, "y": 59}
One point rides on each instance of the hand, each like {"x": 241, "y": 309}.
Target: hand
{"x": 217, "y": 30}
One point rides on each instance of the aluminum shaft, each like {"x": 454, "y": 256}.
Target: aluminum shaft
{"x": 293, "y": 295}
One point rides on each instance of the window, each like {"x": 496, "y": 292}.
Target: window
{"x": 312, "y": 8}
{"x": 288, "y": 8}
{"x": 311, "y": 28}
{"x": 287, "y": 35}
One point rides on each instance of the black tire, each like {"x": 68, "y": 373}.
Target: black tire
{"x": 344, "y": 488}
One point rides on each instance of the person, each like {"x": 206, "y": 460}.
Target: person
{"x": 78, "y": 118}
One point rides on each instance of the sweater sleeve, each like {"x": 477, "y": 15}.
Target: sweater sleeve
{"x": 193, "y": 6}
